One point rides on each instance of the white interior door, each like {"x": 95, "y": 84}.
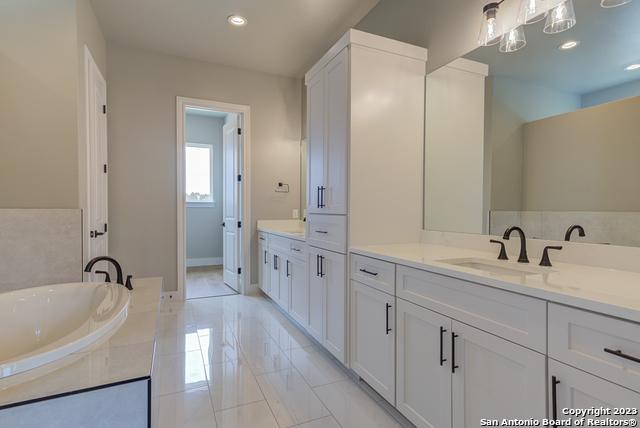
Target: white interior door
{"x": 231, "y": 204}
{"x": 97, "y": 207}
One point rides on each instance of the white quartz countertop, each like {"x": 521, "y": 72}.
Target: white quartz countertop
{"x": 293, "y": 229}
{"x": 607, "y": 291}
{"x": 127, "y": 355}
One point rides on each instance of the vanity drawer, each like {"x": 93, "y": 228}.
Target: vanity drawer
{"x": 374, "y": 273}
{"x": 520, "y": 319}
{"x": 279, "y": 244}
{"x": 298, "y": 249}
{"x": 327, "y": 231}
{"x": 579, "y": 338}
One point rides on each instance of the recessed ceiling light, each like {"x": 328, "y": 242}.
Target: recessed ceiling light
{"x": 568, "y": 45}
{"x": 632, "y": 67}
{"x": 237, "y": 20}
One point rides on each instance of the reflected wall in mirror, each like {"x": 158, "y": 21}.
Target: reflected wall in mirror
{"x": 542, "y": 138}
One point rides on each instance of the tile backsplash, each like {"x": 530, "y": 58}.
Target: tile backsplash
{"x": 613, "y": 228}
{"x": 39, "y": 246}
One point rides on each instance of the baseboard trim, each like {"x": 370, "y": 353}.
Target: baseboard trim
{"x": 207, "y": 261}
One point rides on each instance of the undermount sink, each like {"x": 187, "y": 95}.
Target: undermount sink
{"x": 496, "y": 267}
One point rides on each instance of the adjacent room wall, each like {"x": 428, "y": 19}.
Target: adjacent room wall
{"x": 586, "y": 160}
{"x": 142, "y": 91}
{"x": 204, "y": 224}
{"x": 38, "y": 111}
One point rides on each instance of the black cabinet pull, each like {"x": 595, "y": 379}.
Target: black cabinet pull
{"x": 317, "y": 264}
{"x": 322, "y": 189}
{"x": 387, "y": 320}
{"x": 275, "y": 262}
{"x": 454, "y": 366}
{"x": 265, "y": 257}
{"x": 321, "y": 266}
{"x": 554, "y": 398}
{"x": 318, "y": 197}
{"x": 288, "y": 275}
{"x": 442, "y": 332}
{"x": 368, "y": 272}
{"x": 619, "y": 353}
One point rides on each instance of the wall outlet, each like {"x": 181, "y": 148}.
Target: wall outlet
{"x": 295, "y": 213}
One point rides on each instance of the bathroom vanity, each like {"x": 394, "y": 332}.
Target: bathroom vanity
{"x": 451, "y": 336}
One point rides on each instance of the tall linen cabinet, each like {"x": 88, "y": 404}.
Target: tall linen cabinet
{"x": 365, "y": 133}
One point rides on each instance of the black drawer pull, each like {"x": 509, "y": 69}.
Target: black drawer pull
{"x": 454, "y": 366}
{"x": 261, "y": 238}
{"x": 619, "y": 353}
{"x": 368, "y": 272}
{"x": 296, "y": 249}
{"x": 324, "y": 232}
{"x": 442, "y": 332}
{"x": 388, "y": 307}
{"x": 554, "y": 398}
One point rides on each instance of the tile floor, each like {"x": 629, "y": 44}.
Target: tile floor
{"x": 206, "y": 281}
{"x": 238, "y": 362}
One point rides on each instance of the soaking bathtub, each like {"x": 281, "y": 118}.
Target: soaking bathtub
{"x": 41, "y": 325}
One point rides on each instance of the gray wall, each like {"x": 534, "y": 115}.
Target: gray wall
{"x": 204, "y": 224}
{"x": 142, "y": 94}
{"x": 38, "y": 111}
{"x": 586, "y": 160}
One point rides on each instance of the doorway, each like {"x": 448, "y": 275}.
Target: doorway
{"x": 211, "y": 198}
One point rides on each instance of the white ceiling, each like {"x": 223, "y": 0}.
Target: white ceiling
{"x": 282, "y": 37}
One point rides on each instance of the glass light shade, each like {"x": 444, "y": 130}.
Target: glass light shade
{"x": 531, "y": 11}
{"x": 613, "y": 3}
{"x": 491, "y": 28}
{"x": 513, "y": 40}
{"x": 560, "y": 18}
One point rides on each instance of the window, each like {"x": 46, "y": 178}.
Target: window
{"x": 199, "y": 175}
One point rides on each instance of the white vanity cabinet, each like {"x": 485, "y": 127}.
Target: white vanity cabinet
{"x": 373, "y": 338}
{"x": 264, "y": 265}
{"x": 494, "y": 378}
{"x": 451, "y": 374}
{"x": 327, "y": 109}
{"x": 327, "y": 300}
{"x": 572, "y": 388}
{"x": 298, "y": 287}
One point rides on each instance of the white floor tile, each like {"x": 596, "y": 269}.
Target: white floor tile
{"x": 328, "y": 422}
{"x": 264, "y": 356}
{"x": 218, "y": 346}
{"x": 168, "y": 343}
{"x": 315, "y": 367}
{"x": 178, "y": 372}
{"x": 290, "y": 398}
{"x": 352, "y": 407}
{"x": 255, "y": 415}
{"x": 185, "y": 409}
{"x": 232, "y": 384}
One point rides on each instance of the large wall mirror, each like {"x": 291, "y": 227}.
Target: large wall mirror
{"x": 543, "y": 138}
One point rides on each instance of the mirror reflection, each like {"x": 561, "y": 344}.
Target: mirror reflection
{"x": 544, "y": 138}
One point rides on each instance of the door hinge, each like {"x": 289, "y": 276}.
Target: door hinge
{"x": 239, "y": 131}
{"x": 104, "y": 109}
{"x": 239, "y": 271}
{"x": 104, "y": 168}
{"x": 239, "y": 177}
{"x": 239, "y": 224}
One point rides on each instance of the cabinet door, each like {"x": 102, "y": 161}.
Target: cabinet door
{"x": 274, "y": 275}
{"x": 315, "y": 327}
{"x": 423, "y": 380}
{"x": 373, "y": 338}
{"x": 315, "y": 140}
{"x": 333, "y": 271}
{"x": 575, "y": 389}
{"x": 285, "y": 283}
{"x": 494, "y": 378}
{"x": 264, "y": 267}
{"x": 299, "y": 291}
{"x": 334, "y": 196}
